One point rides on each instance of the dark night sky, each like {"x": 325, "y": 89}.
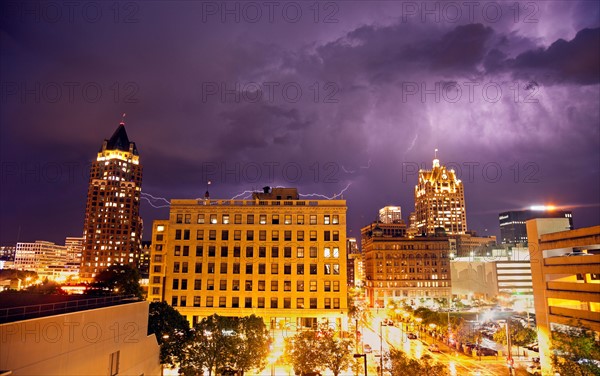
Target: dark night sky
{"x": 323, "y": 96}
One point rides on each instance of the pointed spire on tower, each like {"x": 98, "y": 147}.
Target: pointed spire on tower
{"x": 436, "y": 161}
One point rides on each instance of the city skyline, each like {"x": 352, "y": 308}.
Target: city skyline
{"x": 381, "y": 90}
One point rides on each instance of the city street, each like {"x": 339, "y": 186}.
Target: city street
{"x": 457, "y": 362}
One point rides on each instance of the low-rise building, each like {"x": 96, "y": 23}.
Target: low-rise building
{"x": 76, "y": 336}
{"x": 399, "y": 268}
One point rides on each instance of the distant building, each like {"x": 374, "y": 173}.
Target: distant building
{"x": 144, "y": 260}
{"x": 513, "y": 229}
{"x": 398, "y": 268}
{"x": 565, "y": 269}
{"x": 7, "y": 253}
{"x": 75, "y": 336}
{"x": 49, "y": 260}
{"x": 469, "y": 245}
{"x": 501, "y": 271}
{"x": 113, "y": 226}
{"x": 439, "y": 202}
{"x": 390, "y": 214}
{"x": 74, "y": 247}
{"x": 275, "y": 256}
{"x": 354, "y": 265}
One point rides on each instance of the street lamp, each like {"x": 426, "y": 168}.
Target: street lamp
{"x": 356, "y": 356}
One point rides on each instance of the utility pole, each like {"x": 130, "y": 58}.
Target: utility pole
{"x": 509, "y": 358}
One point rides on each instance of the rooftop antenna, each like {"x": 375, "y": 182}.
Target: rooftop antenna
{"x": 436, "y": 150}
{"x": 207, "y": 195}
{"x": 123, "y": 118}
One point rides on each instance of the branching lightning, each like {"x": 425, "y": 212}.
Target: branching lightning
{"x": 326, "y": 197}
{"x": 243, "y": 195}
{"x": 161, "y": 202}
{"x": 151, "y": 200}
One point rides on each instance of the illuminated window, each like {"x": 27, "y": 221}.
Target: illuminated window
{"x": 275, "y": 219}
{"x": 274, "y": 285}
{"x": 313, "y": 236}
{"x": 313, "y": 219}
{"x": 287, "y": 219}
{"x": 262, "y": 219}
{"x": 213, "y": 219}
{"x": 327, "y": 303}
{"x": 326, "y": 219}
{"x": 313, "y": 285}
{"x": 300, "y": 285}
{"x": 327, "y": 286}
{"x": 237, "y": 219}
{"x": 327, "y": 252}
{"x": 300, "y": 303}
{"x": 275, "y": 235}
{"x": 300, "y": 252}
{"x": 274, "y": 268}
{"x": 209, "y": 301}
{"x": 336, "y": 219}
{"x": 300, "y": 219}
{"x": 225, "y": 219}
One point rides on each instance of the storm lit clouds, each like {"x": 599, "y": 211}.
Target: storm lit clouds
{"x": 318, "y": 105}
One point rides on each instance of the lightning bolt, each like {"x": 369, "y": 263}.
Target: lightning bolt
{"x": 151, "y": 202}
{"x": 326, "y": 197}
{"x": 243, "y": 195}
{"x": 149, "y": 197}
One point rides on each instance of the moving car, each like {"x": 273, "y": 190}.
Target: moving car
{"x": 434, "y": 348}
{"x": 368, "y": 348}
{"x": 411, "y": 336}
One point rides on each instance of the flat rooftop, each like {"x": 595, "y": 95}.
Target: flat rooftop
{"x": 25, "y": 306}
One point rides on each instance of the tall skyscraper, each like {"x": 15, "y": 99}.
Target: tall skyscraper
{"x": 513, "y": 229}
{"x": 113, "y": 226}
{"x": 439, "y": 202}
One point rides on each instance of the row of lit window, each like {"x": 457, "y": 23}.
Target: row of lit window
{"x": 181, "y": 301}
{"x": 328, "y": 269}
{"x": 389, "y": 284}
{"x": 328, "y": 286}
{"x": 262, "y": 235}
{"x": 262, "y": 219}
{"x": 328, "y": 252}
